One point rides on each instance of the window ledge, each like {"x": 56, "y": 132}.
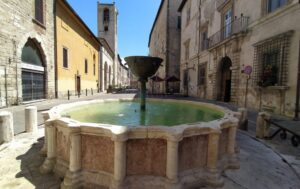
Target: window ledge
{"x": 280, "y": 88}
{"x": 38, "y": 23}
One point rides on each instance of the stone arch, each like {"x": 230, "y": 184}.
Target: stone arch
{"x": 34, "y": 71}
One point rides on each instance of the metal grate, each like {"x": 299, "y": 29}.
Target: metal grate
{"x": 33, "y": 85}
{"x": 270, "y": 67}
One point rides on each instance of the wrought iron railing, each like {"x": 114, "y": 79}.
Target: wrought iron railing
{"x": 238, "y": 25}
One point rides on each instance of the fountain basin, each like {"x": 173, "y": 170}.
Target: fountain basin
{"x": 93, "y": 155}
{"x": 143, "y": 67}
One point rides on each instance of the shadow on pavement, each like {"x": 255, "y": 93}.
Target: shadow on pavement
{"x": 30, "y": 163}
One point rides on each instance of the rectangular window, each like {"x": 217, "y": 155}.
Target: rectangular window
{"x": 65, "y": 58}
{"x": 85, "y": 66}
{"x": 275, "y": 4}
{"x": 94, "y": 68}
{"x": 179, "y": 22}
{"x": 201, "y": 74}
{"x": 185, "y": 78}
{"x": 270, "y": 67}
{"x": 188, "y": 15}
{"x": 39, "y": 11}
{"x": 269, "y": 75}
{"x": 204, "y": 41}
{"x": 187, "y": 50}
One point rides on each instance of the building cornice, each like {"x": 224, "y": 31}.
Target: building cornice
{"x": 73, "y": 12}
{"x": 156, "y": 18}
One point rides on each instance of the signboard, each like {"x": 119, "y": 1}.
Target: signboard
{"x": 248, "y": 70}
{"x": 32, "y": 67}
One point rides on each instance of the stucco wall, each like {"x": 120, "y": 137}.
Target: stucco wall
{"x": 81, "y": 46}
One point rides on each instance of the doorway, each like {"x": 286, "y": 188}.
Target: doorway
{"x": 225, "y": 80}
{"x": 78, "y": 84}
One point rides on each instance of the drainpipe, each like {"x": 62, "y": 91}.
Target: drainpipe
{"x": 5, "y": 75}
{"x": 55, "y": 51}
{"x": 298, "y": 89}
{"x": 167, "y": 47}
{"x": 199, "y": 45}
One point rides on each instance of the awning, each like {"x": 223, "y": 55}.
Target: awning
{"x": 156, "y": 79}
{"x": 172, "y": 79}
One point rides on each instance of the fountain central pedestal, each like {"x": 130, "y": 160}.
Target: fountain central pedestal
{"x": 143, "y": 67}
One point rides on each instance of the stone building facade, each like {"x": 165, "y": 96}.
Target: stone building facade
{"x": 107, "y": 29}
{"x": 27, "y": 51}
{"x": 224, "y": 40}
{"x": 77, "y": 53}
{"x": 164, "y": 42}
{"x": 107, "y": 57}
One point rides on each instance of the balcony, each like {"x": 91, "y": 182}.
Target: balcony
{"x": 237, "y": 26}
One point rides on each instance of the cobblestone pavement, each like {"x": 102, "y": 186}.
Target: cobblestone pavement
{"x": 264, "y": 164}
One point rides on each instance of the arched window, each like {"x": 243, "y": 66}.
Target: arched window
{"x": 31, "y": 54}
{"x": 106, "y": 15}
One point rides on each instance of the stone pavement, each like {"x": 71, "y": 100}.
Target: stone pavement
{"x": 264, "y": 164}
{"x": 261, "y": 167}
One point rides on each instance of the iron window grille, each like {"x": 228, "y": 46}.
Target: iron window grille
{"x": 270, "y": 67}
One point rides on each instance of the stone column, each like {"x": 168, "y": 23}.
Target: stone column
{"x": 233, "y": 161}
{"x": 44, "y": 149}
{"x": 72, "y": 177}
{"x": 262, "y": 126}
{"x": 6, "y": 127}
{"x": 173, "y": 160}
{"x": 49, "y": 163}
{"x": 120, "y": 138}
{"x": 119, "y": 162}
{"x": 214, "y": 176}
{"x": 31, "y": 119}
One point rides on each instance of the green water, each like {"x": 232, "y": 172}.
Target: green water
{"x": 157, "y": 113}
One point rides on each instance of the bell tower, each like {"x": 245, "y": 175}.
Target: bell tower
{"x": 107, "y": 29}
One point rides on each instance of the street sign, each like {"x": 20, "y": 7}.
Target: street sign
{"x": 248, "y": 70}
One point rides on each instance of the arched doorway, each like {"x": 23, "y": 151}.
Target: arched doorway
{"x": 33, "y": 71}
{"x": 105, "y": 76}
{"x": 225, "y": 79}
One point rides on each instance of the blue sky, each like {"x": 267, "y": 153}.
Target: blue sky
{"x": 134, "y": 23}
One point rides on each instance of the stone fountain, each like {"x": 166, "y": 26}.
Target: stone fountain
{"x": 143, "y": 67}
{"x": 120, "y": 155}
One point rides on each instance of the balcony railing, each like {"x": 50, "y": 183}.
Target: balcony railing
{"x": 236, "y": 26}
